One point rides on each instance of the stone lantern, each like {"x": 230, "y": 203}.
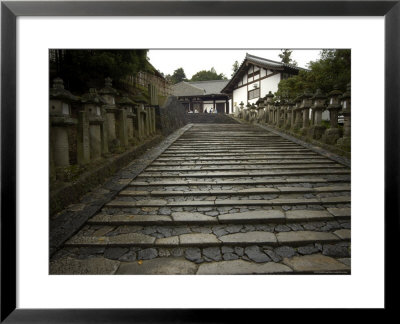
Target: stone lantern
{"x": 260, "y": 110}
{"x": 127, "y": 104}
{"x": 306, "y": 103}
{"x": 333, "y": 133}
{"x": 268, "y": 100}
{"x": 60, "y": 120}
{"x": 345, "y": 141}
{"x": 290, "y": 114}
{"x": 241, "y": 106}
{"x": 317, "y": 130}
{"x": 298, "y": 120}
{"x": 141, "y": 115}
{"x": 97, "y": 141}
{"x": 108, "y": 93}
{"x": 282, "y": 113}
{"x": 277, "y": 106}
{"x": 247, "y": 112}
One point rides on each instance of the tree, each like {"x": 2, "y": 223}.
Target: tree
{"x": 235, "y": 67}
{"x": 332, "y": 69}
{"x": 178, "y": 76}
{"x": 205, "y": 75}
{"x": 285, "y": 57}
{"x": 81, "y": 69}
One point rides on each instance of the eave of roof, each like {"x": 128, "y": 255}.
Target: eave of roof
{"x": 260, "y": 62}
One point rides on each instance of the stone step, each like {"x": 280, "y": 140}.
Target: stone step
{"x": 297, "y": 238}
{"x": 250, "y": 191}
{"x": 235, "y": 158}
{"x": 244, "y": 162}
{"x": 217, "y": 174}
{"x": 243, "y": 151}
{"x": 274, "y": 216}
{"x": 245, "y": 154}
{"x": 228, "y": 202}
{"x": 180, "y": 182}
{"x": 152, "y": 168}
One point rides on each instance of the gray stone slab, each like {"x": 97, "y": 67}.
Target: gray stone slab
{"x": 237, "y": 267}
{"x": 306, "y": 215}
{"x": 118, "y": 240}
{"x": 188, "y": 217}
{"x": 198, "y": 239}
{"x": 159, "y": 266}
{"x": 70, "y": 266}
{"x": 139, "y": 203}
{"x": 124, "y": 219}
{"x": 305, "y": 237}
{"x": 249, "y": 238}
{"x": 344, "y": 234}
{"x": 253, "y": 216}
{"x": 168, "y": 241}
{"x": 315, "y": 263}
{"x": 340, "y": 212}
{"x": 133, "y": 193}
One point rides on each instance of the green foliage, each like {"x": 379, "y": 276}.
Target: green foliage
{"x": 81, "y": 69}
{"x": 235, "y": 67}
{"x": 178, "y": 76}
{"x": 333, "y": 68}
{"x": 208, "y": 75}
{"x": 285, "y": 57}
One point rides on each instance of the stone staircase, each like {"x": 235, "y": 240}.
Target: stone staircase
{"x": 202, "y": 118}
{"x": 222, "y": 199}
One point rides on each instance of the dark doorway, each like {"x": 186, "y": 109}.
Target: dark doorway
{"x": 220, "y": 107}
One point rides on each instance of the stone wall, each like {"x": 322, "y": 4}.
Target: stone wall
{"x": 170, "y": 116}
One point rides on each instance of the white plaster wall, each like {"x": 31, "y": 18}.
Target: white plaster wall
{"x": 270, "y": 84}
{"x": 240, "y": 95}
{"x": 263, "y": 73}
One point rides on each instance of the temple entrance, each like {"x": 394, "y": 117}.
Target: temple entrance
{"x": 220, "y": 107}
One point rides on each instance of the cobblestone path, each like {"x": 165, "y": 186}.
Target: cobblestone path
{"x": 222, "y": 199}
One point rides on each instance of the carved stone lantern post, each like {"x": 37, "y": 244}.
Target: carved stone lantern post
{"x": 298, "y": 120}
{"x": 268, "y": 99}
{"x": 333, "y": 133}
{"x": 60, "y": 120}
{"x": 141, "y": 115}
{"x": 260, "y": 110}
{"x": 290, "y": 114}
{"x": 108, "y": 94}
{"x": 241, "y": 112}
{"x": 345, "y": 141}
{"x": 97, "y": 133}
{"x": 317, "y": 130}
{"x": 247, "y": 112}
{"x": 282, "y": 113}
{"x": 306, "y": 105}
{"x": 127, "y": 104}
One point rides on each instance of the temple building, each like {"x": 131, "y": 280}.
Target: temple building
{"x": 255, "y": 77}
{"x": 203, "y": 96}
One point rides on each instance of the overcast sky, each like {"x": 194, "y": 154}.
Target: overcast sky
{"x": 193, "y": 61}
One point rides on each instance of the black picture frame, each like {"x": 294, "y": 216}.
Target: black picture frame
{"x": 11, "y": 10}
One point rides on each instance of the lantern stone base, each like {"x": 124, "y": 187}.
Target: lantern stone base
{"x": 331, "y": 136}
{"x": 316, "y": 132}
{"x": 344, "y": 143}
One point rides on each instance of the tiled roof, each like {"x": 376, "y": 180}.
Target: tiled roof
{"x": 186, "y": 88}
{"x": 269, "y": 63}
{"x": 210, "y": 87}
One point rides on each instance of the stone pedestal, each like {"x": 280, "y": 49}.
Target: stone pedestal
{"x": 59, "y": 139}
{"x": 331, "y": 136}
{"x": 316, "y": 132}
{"x": 83, "y": 145}
{"x": 122, "y": 124}
{"x": 95, "y": 141}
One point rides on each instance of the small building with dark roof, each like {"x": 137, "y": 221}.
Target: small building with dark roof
{"x": 255, "y": 77}
{"x": 203, "y": 96}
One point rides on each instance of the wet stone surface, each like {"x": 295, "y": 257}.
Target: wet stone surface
{"x": 256, "y": 204}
